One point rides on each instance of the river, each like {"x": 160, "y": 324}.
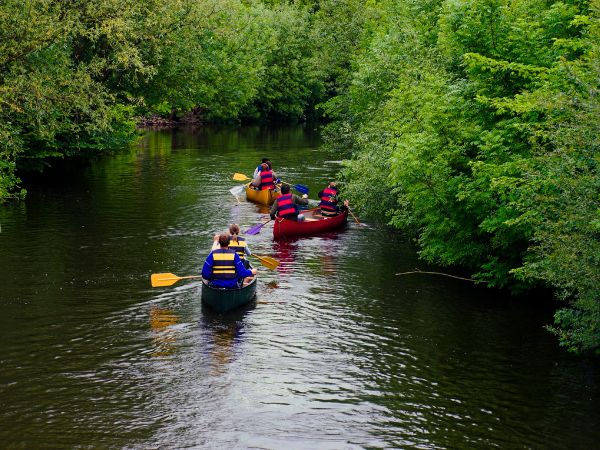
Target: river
{"x": 336, "y": 353}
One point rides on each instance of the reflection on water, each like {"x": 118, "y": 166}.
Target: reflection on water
{"x": 285, "y": 252}
{"x": 337, "y": 351}
{"x": 162, "y": 322}
{"x": 225, "y": 332}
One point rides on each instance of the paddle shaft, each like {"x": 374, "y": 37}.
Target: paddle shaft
{"x": 355, "y": 218}
{"x": 168, "y": 279}
{"x": 183, "y": 278}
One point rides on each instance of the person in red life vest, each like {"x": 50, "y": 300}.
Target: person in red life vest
{"x": 259, "y": 168}
{"x": 265, "y": 179}
{"x": 285, "y": 205}
{"x": 223, "y": 267}
{"x": 329, "y": 201}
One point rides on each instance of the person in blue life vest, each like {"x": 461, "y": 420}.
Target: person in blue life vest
{"x": 286, "y": 205}
{"x": 329, "y": 201}
{"x": 224, "y": 268}
{"x": 259, "y": 167}
{"x": 265, "y": 179}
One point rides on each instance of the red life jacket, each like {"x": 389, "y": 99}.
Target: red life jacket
{"x": 286, "y": 206}
{"x": 328, "y": 201}
{"x": 266, "y": 180}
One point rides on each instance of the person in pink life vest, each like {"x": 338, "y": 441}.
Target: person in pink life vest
{"x": 265, "y": 179}
{"x": 285, "y": 206}
{"x": 329, "y": 201}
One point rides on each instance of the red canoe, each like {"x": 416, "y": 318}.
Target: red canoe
{"x": 314, "y": 223}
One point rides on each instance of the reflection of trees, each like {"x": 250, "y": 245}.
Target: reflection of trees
{"x": 161, "y": 322}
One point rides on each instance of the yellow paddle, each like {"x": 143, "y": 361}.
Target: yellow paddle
{"x": 241, "y": 177}
{"x": 267, "y": 261}
{"x": 167, "y": 279}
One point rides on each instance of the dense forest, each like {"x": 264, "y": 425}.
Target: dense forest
{"x": 472, "y": 125}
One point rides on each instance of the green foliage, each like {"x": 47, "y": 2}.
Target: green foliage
{"x": 485, "y": 114}
{"x": 74, "y": 75}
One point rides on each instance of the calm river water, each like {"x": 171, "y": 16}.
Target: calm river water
{"x": 337, "y": 352}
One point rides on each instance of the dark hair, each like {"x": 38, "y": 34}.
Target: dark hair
{"x": 224, "y": 240}
{"x": 234, "y": 228}
{"x": 264, "y": 160}
{"x": 270, "y": 164}
{"x": 285, "y": 188}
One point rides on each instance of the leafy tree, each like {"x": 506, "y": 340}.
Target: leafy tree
{"x": 485, "y": 115}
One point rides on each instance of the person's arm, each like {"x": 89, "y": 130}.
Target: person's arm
{"x": 256, "y": 172}
{"x": 256, "y": 180}
{"x": 247, "y": 249}
{"x": 240, "y": 269}
{"x": 207, "y": 268}
{"x": 273, "y": 210}
{"x": 300, "y": 200}
{"x": 215, "y": 244}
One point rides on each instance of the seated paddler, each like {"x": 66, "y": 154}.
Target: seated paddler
{"x": 224, "y": 268}
{"x": 265, "y": 179}
{"x": 239, "y": 244}
{"x": 329, "y": 203}
{"x": 259, "y": 167}
{"x": 286, "y": 205}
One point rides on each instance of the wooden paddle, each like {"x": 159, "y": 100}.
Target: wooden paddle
{"x": 167, "y": 279}
{"x": 355, "y": 218}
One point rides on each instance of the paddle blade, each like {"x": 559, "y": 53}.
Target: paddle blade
{"x": 268, "y": 262}
{"x": 237, "y": 190}
{"x": 163, "y": 279}
{"x": 301, "y": 188}
{"x": 240, "y": 177}
{"x": 256, "y": 228}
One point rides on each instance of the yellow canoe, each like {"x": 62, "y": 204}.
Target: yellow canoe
{"x": 266, "y": 197}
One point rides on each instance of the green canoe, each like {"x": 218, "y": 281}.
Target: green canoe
{"x": 223, "y": 300}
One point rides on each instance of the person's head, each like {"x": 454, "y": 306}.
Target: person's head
{"x": 264, "y": 160}
{"x": 264, "y": 166}
{"x": 270, "y": 165}
{"x": 285, "y": 188}
{"x": 332, "y": 184}
{"x": 234, "y": 228}
{"x": 224, "y": 240}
